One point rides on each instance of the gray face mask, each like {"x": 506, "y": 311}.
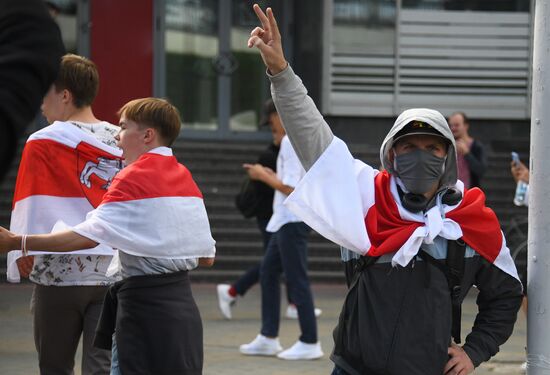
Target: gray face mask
{"x": 419, "y": 170}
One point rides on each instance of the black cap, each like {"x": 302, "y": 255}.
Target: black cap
{"x": 267, "y": 109}
{"x": 417, "y": 127}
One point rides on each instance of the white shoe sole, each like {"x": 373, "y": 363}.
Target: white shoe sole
{"x": 258, "y": 353}
{"x": 298, "y": 358}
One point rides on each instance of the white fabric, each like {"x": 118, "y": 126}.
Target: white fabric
{"x": 290, "y": 172}
{"x": 505, "y": 262}
{"x": 333, "y": 201}
{"x": 166, "y": 227}
{"x": 335, "y": 195}
{"x": 70, "y": 135}
{"x": 35, "y": 215}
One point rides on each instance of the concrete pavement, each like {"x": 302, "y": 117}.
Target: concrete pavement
{"x": 222, "y": 338}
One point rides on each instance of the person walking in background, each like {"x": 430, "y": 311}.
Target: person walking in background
{"x": 471, "y": 157}
{"x": 77, "y": 157}
{"x": 286, "y": 252}
{"x": 228, "y": 294}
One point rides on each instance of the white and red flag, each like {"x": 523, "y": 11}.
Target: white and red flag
{"x": 63, "y": 174}
{"x": 358, "y": 207}
{"x": 153, "y": 208}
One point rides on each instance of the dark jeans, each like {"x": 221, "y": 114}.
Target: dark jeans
{"x": 287, "y": 252}
{"x": 252, "y": 275}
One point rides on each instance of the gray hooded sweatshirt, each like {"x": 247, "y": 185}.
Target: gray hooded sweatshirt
{"x": 398, "y": 320}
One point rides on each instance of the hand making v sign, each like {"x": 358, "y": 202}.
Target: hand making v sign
{"x": 268, "y": 40}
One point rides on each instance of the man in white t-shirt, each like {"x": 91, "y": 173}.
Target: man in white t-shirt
{"x": 69, "y": 289}
{"x": 286, "y": 252}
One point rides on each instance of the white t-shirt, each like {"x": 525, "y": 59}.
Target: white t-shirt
{"x": 77, "y": 270}
{"x": 290, "y": 172}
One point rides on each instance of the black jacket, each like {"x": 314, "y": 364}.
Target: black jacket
{"x": 265, "y": 193}
{"x": 398, "y": 320}
{"x": 30, "y": 54}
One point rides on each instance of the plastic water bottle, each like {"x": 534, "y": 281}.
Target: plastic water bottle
{"x": 521, "y": 190}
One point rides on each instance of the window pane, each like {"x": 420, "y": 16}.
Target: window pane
{"x": 191, "y": 43}
{"x": 479, "y": 5}
{"x": 249, "y": 84}
{"x": 364, "y": 26}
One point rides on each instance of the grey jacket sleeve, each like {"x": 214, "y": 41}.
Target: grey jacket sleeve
{"x": 307, "y": 130}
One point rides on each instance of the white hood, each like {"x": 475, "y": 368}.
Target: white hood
{"x": 439, "y": 123}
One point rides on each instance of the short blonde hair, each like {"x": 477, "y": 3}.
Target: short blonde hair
{"x": 79, "y": 76}
{"x": 156, "y": 113}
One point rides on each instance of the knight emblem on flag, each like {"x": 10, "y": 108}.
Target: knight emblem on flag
{"x": 96, "y": 170}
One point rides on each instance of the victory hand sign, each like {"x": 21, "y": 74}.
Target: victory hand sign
{"x": 268, "y": 40}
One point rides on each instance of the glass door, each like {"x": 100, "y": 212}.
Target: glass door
{"x": 217, "y": 83}
{"x": 191, "y": 44}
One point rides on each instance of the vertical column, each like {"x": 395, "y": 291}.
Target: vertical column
{"x": 538, "y": 323}
{"x": 121, "y": 44}
{"x": 224, "y": 80}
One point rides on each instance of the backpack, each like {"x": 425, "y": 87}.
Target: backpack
{"x": 247, "y": 199}
{"x": 454, "y": 272}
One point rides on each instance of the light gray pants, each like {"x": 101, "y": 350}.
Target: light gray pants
{"x": 61, "y": 315}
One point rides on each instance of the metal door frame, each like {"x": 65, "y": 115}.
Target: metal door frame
{"x": 224, "y": 81}
{"x": 223, "y": 131}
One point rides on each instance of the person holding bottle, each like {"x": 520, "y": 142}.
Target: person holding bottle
{"x": 521, "y": 175}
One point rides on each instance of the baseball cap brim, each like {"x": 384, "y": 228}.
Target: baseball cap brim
{"x": 417, "y": 128}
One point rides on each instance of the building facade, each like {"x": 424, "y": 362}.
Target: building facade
{"x": 363, "y": 61}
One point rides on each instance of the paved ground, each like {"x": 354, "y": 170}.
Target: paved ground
{"x": 222, "y": 338}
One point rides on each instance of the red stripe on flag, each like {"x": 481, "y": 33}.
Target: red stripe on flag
{"x": 152, "y": 176}
{"x": 387, "y": 230}
{"x": 45, "y": 165}
{"x": 54, "y": 169}
{"x": 480, "y": 226}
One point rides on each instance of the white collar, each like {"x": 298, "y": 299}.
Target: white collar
{"x": 162, "y": 150}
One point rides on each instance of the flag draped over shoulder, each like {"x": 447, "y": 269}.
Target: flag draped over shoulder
{"x": 152, "y": 209}
{"x": 63, "y": 175}
{"x": 359, "y": 208}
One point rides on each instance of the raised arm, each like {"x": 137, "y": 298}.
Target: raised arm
{"x": 308, "y": 132}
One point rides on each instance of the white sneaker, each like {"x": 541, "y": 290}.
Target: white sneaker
{"x": 225, "y": 300}
{"x": 523, "y": 366}
{"x": 292, "y": 312}
{"x": 261, "y": 345}
{"x": 301, "y": 350}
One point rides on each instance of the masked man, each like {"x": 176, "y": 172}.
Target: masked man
{"x": 407, "y": 225}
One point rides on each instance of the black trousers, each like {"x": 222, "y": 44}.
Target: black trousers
{"x": 157, "y": 325}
